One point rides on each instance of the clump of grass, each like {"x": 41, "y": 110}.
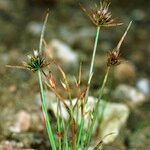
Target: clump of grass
{"x": 36, "y": 63}
{"x": 71, "y": 133}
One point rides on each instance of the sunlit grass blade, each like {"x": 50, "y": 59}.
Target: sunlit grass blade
{"x": 80, "y": 134}
{"x": 95, "y": 112}
{"x": 43, "y": 97}
{"x": 45, "y": 112}
{"x": 59, "y": 125}
{"x": 92, "y": 62}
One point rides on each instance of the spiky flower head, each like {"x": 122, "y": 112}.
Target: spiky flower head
{"x": 113, "y": 56}
{"x": 100, "y": 14}
{"x": 35, "y": 62}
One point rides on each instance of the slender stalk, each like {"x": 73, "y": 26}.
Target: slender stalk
{"x": 90, "y": 131}
{"x": 92, "y": 62}
{"x": 94, "y": 53}
{"x": 44, "y": 105}
{"x": 59, "y": 124}
{"x": 42, "y": 33}
{"x": 66, "y": 140}
{"x": 65, "y": 143}
{"x": 59, "y": 131}
{"x": 80, "y": 135}
{"x": 44, "y": 108}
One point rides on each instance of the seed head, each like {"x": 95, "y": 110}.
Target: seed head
{"x": 51, "y": 81}
{"x": 35, "y": 62}
{"x": 100, "y": 15}
{"x": 113, "y": 56}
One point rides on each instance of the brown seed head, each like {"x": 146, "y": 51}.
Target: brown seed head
{"x": 100, "y": 14}
{"x": 113, "y": 56}
{"x": 51, "y": 81}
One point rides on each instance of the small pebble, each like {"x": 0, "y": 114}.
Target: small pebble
{"x": 12, "y": 88}
{"x": 10, "y": 145}
{"x": 38, "y": 121}
{"x": 23, "y": 122}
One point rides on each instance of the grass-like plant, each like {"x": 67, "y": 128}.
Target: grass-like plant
{"x": 71, "y": 133}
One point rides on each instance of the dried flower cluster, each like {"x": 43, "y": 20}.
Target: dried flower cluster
{"x": 100, "y": 15}
{"x": 113, "y": 58}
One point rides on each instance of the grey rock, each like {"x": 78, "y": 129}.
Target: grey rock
{"x": 143, "y": 85}
{"x": 34, "y": 28}
{"x": 61, "y": 51}
{"x": 129, "y": 94}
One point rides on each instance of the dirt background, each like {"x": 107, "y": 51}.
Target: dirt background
{"x": 20, "y": 25}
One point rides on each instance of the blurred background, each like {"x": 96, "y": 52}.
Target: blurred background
{"x": 70, "y": 37}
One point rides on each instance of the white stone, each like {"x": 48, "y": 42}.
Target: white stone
{"x": 114, "y": 115}
{"x": 143, "y": 85}
{"x": 35, "y": 27}
{"x": 60, "y": 50}
{"x": 129, "y": 94}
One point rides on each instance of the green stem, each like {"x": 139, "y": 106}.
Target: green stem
{"x": 92, "y": 61}
{"x": 90, "y": 131}
{"x": 45, "y": 113}
{"x": 66, "y": 140}
{"x": 80, "y": 135}
{"x": 42, "y": 33}
{"x": 63, "y": 126}
{"x": 59, "y": 124}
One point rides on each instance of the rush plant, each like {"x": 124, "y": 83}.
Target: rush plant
{"x": 71, "y": 132}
